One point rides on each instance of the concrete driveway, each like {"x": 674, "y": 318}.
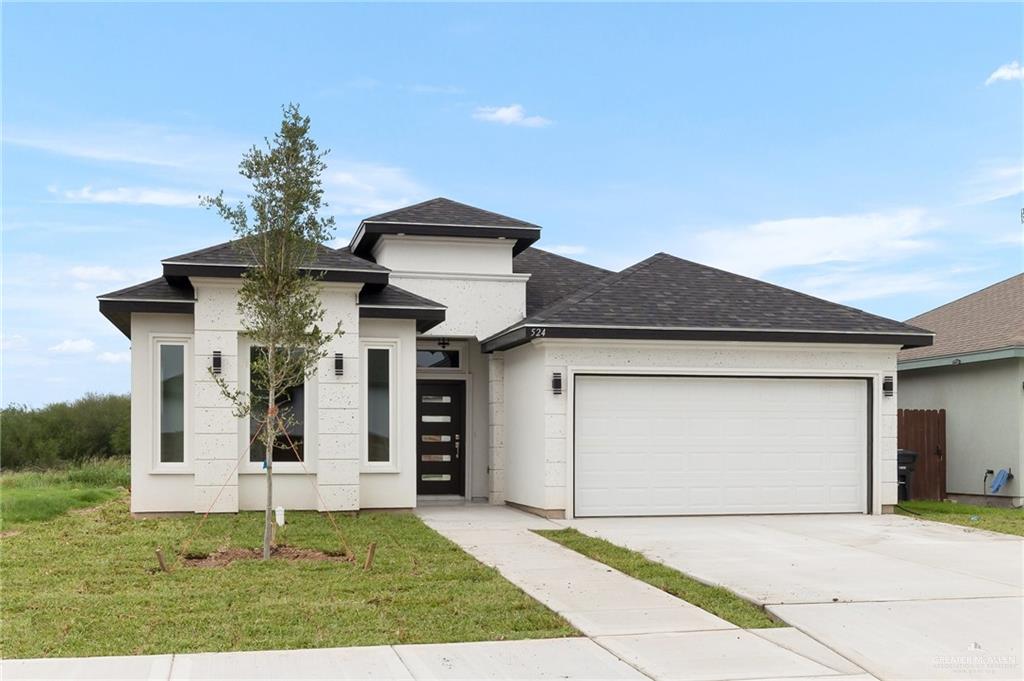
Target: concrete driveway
{"x": 902, "y": 598}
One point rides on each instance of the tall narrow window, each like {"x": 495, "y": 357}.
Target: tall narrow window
{"x": 172, "y": 403}
{"x": 378, "y": 405}
{"x": 291, "y": 406}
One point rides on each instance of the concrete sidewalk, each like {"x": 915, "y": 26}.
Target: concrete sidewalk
{"x": 655, "y": 632}
{"x": 562, "y": 658}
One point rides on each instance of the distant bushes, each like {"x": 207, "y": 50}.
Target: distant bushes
{"x": 93, "y": 427}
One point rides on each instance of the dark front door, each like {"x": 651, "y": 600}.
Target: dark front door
{"x": 440, "y": 437}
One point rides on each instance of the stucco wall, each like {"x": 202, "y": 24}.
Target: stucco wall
{"x": 473, "y": 277}
{"x": 446, "y": 255}
{"x": 479, "y": 305}
{"x": 525, "y": 406}
{"x": 153, "y": 491}
{"x": 479, "y": 422}
{"x": 539, "y": 445}
{"x": 396, "y": 489}
{"x": 984, "y": 405}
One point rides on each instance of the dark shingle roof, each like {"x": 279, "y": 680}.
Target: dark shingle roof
{"x": 392, "y": 302}
{"x": 155, "y": 290}
{"x": 669, "y": 298}
{"x": 666, "y": 291}
{"x": 442, "y": 211}
{"x": 553, "y": 277}
{"x": 231, "y": 254}
{"x": 989, "y": 319}
{"x": 155, "y": 295}
{"x": 393, "y": 296}
{"x": 442, "y": 217}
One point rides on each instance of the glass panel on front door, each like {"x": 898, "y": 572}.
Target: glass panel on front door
{"x": 440, "y": 437}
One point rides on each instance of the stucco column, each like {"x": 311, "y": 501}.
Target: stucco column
{"x": 215, "y": 443}
{"x": 496, "y": 428}
{"x": 338, "y": 442}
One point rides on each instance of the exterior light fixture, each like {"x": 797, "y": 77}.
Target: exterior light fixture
{"x": 216, "y": 362}
{"x": 443, "y": 343}
{"x": 339, "y": 364}
{"x": 887, "y": 386}
{"x": 556, "y": 383}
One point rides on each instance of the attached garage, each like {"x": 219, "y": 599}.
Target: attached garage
{"x": 673, "y": 388}
{"x": 691, "y": 445}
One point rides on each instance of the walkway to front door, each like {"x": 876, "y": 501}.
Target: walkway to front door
{"x": 440, "y": 437}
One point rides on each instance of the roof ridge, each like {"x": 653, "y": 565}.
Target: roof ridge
{"x": 790, "y": 290}
{"x": 413, "y": 205}
{"x": 589, "y": 291}
{"x": 966, "y": 296}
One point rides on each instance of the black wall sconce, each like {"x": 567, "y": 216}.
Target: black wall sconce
{"x": 887, "y": 386}
{"x": 339, "y": 364}
{"x": 216, "y": 362}
{"x": 556, "y": 383}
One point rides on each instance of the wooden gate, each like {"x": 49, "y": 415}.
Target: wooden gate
{"x": 924, "y": 431}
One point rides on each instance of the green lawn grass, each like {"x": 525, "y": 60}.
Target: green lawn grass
{"x": 85, "y": 583}
{"x": 1005, "y": 520}
{"x": 716, "y": 600}
{"x": 27, "y": 496}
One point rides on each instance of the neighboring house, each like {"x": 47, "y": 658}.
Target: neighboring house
{"x": 975, "y": 371}
{"x": 476, "y": 366}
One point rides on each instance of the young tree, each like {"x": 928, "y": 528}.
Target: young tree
{"x": 281, "y": 231}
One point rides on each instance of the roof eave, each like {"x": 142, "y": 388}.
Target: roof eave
{"x": 180, "y": 269}
{"x": 426, "y": 317}
{"x": 960, "y": 358}
{"x": 119, "y": 312}
{"x": 525, "y": 333}
{"x": 368, "y": 233}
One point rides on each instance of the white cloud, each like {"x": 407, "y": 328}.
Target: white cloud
{"x": 74, "y": 346}
{"x": 566, "y": 249}
{"x": 995, "y": 180}
{"x": 139, "y": 196}
{"x": 775, "y": 244}
{"x": 1011, "y": 71}
{"x": 115, "y": 357}
{"x": 13, "y": 342}
{"x": 129, "y": 142}
{"x": 364, "y": 189}
{"x": 862, "y": 284}
{"x": 97, "y": 273}
{"x": 513, "y": 114}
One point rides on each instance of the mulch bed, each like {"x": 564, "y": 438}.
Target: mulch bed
{"x": 226, "y": 556}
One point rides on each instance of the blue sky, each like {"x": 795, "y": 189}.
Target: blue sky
{"x": 870, "y": 154}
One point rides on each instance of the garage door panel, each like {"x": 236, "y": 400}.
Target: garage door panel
{"x": 693, "y": 445}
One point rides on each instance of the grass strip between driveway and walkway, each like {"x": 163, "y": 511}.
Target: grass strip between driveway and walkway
{"x": 716, "y": 600}
{"x": 1005, "y": 520}
{"x": 86, "y": 583}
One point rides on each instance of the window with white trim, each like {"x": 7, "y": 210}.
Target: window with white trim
{"x": 379, "y": 405}
{"x": 171, "y": 410}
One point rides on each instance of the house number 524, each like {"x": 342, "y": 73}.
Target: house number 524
{"x": 538, "y": 333}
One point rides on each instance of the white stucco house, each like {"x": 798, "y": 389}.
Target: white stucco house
{"x": 975, "y": 371}
{"x": 475, "y": 366}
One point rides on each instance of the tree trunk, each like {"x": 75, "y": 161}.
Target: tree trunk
{"x": 270, "y": 435}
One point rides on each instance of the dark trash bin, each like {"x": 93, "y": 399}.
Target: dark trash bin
{"x": 905, "y": 459}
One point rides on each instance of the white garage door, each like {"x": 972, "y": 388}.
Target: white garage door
{"x": 693, "y": 445}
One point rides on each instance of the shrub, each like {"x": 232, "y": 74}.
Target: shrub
{"x": 92, "y": 427}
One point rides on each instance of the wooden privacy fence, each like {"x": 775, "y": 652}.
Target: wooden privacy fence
{"x": 924, "y": 431}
